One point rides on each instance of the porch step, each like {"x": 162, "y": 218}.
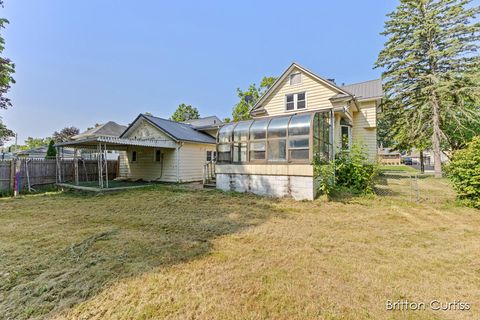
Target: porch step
{"x": 210, "y": 185}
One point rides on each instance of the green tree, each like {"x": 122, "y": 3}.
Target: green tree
{"x": 428, "y": 62}
{"x": 51, "y": 151}
{"x": 185, "y": 112}
{"x": 31, "y": 143}
{"x": 7, "y": 68}
{"x": 65, "y": 134}
{"x": 248, "y": 98}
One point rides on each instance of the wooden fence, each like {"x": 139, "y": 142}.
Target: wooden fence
{"x": 39, "y": 172}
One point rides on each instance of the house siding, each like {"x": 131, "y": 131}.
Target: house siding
{"x": 192, "y": 159}
{"x": 318, "y": 95}
{"x": 364, "y": 129}
{"x": 146, "y": 168}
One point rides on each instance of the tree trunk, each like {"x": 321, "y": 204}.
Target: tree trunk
{"x": 436, "y": 136}
{"x": 422, "y": 162}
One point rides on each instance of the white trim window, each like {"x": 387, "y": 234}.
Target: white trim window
{"x": 296, "y": 101}
{"x": 295, "y": 78}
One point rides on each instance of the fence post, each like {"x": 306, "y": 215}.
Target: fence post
{"x": 12, "y": 176}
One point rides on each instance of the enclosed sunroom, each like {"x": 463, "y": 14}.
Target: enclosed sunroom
{"x": 273, "y": 156}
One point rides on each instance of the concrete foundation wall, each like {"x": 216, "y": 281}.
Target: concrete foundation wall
{"x": 300, "y": 188}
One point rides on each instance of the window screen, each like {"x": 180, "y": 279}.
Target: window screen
{"x": 295, "y": 78}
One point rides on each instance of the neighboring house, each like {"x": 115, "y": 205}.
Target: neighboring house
{"x": 302, "y": 118}
{"x": 41, "y": 153}
{"x": 109, "y": 129}
{"x": 387, "y": 156}
{"x": 428, "y": 158}
{"x": 190, "y": 145}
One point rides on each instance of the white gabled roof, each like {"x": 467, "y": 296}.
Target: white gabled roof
{"x": 286, "y": 73}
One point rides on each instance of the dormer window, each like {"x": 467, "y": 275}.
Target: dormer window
{"x": 295, "y": 78}
{"x": 296, "y": 101}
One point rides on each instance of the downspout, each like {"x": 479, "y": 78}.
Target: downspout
{"x": 178, "y": 161}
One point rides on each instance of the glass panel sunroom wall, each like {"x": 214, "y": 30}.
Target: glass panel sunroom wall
{"x": 290, "y": 139}
{"x": 322, "y": 146}
{"x": 277, "y": 139}
{"x": 299, "y": 138}
{"x": 258, "y": 140}
{"x": 224, "y": 148}
{"x": 240, "y": 141}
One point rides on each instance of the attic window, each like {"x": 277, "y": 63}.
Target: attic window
{"x": 295, "y": 78}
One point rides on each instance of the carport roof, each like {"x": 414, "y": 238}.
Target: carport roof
{"x": 113, "y": 143}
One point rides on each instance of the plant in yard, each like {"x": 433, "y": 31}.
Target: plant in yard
{"x": 324, "y": 177}
{"x": 464, "y": 172}
{"x": 351, "y": 171}
{"x": 51, "y": 152}
{"x": 430, "y": 72}
{"x": 354, "y": 171}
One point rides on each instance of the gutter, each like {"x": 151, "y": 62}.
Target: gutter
{"x": 178, "y": 160}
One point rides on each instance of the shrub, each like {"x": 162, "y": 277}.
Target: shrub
{"x": 351, "y": 171}
{"x": 464, "y": 172}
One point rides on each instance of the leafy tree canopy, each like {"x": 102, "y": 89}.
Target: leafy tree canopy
{"x": 185, "y": 112}
{"x": 65, "y": 134}
{"x": 248, "y": 98}
{"x": 7, "y": 68}
{"x": 31, "y": 143}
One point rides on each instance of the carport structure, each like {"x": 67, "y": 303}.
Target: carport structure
{"x": 99, "y": 147}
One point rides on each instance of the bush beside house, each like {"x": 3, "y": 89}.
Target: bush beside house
{"x": 464, "y": 172}
{"x": 351, "y": 171}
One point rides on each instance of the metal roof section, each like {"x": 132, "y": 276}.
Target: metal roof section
{"x": 366, "y": 90}
{"x": 206, "y": 122}
{"x": 179, "y": 131}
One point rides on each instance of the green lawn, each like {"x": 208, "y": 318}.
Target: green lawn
{"x": 170, "y": 252}
{"x": 398, "y": 168}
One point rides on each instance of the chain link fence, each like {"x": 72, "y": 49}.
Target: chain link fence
{"x": 413, "y": 187}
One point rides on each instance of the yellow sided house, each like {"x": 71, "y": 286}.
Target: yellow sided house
{"x": 302, "y": 118}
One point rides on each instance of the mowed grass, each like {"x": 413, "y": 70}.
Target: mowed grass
{"x": 167, "y": 252}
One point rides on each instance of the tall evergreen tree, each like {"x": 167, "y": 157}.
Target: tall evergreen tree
{"x": 51, "y": 151}
{"x": 429, "y": 61}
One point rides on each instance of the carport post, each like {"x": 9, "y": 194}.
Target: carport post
{"x": 75, "y": 165}
{"x": 106, "y": 166}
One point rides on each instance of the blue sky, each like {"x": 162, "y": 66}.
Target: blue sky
{"x": 85, "y": 62}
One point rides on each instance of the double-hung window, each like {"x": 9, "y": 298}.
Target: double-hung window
{"x": 296, "y": 101}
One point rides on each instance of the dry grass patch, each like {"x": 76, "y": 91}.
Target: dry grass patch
{"x": 209, "y": 255}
